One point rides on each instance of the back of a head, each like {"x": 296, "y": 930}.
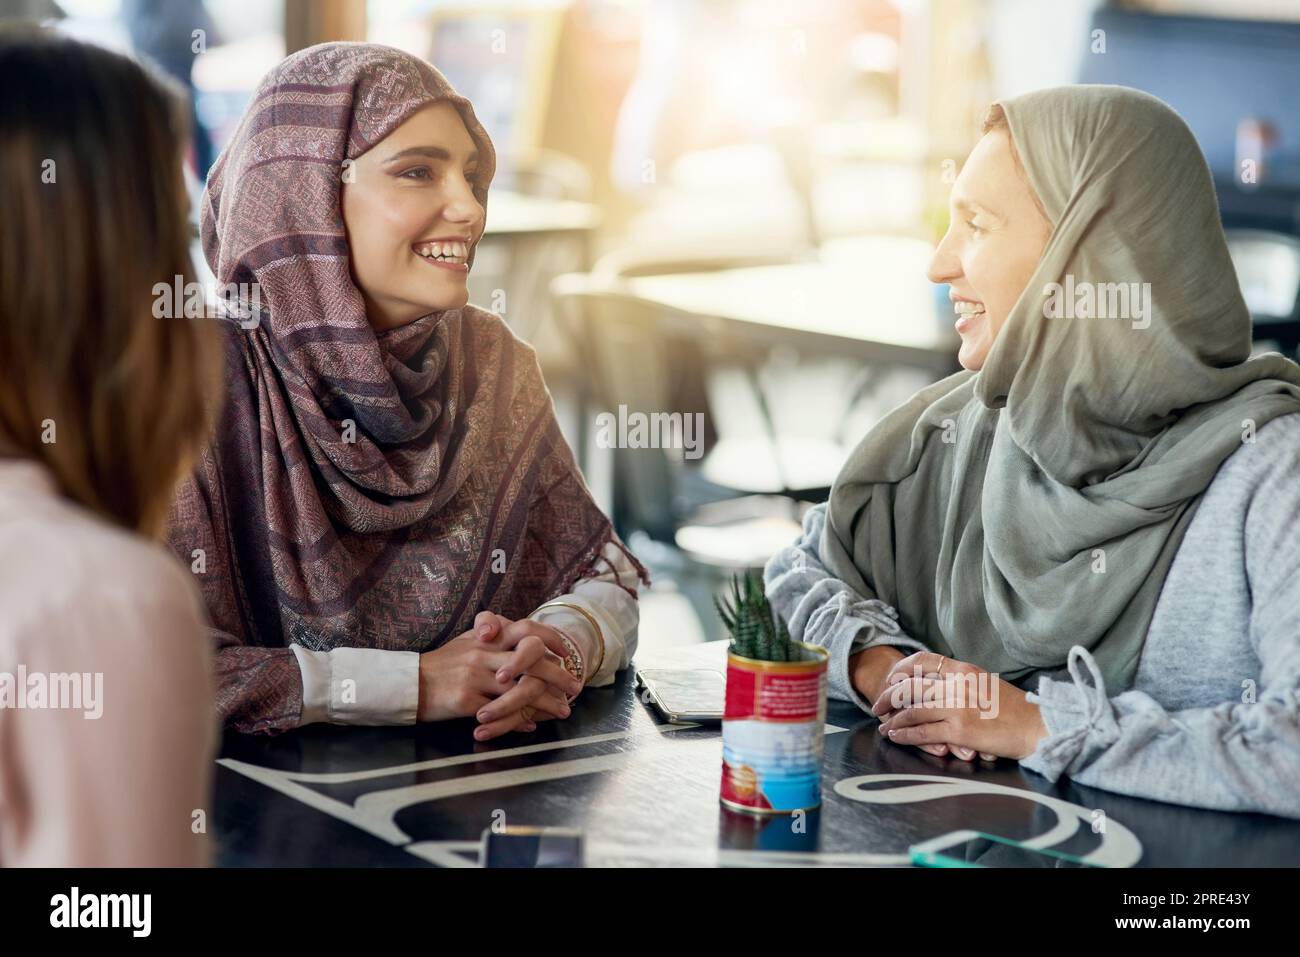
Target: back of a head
{"x": 116, "y": 403}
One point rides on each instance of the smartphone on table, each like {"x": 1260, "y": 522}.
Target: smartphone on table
{"x": 978, "y": 849}
{"x": 531, "y": 847}
{"x": 683, "y": 695}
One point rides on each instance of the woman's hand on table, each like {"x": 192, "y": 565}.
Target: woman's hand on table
{"x": 869, "y": 671}
{"x": 475, "y": 674}
{"x": 911, "y": 708}
{"x": 530, "y": 667}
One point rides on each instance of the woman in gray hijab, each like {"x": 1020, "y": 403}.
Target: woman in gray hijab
{"x": 1105, "y": 504}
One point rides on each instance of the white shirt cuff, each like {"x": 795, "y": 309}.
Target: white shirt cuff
{"x": 359, "y": 685}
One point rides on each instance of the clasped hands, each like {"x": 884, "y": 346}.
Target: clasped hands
{"x": 508, "y": 674}
{"x": 909, "y": 694}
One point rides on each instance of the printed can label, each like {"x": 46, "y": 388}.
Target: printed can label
{"x": 773, "y": 733}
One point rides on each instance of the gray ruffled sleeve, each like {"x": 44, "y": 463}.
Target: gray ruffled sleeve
{"x": 822, "y": 610}
{"x": 1080, "y": 720}
{"x": 1236, "y": 756}
{"x": 1241, "y": 753}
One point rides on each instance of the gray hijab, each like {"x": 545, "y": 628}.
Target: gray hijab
{"x": 1015, "y": 512}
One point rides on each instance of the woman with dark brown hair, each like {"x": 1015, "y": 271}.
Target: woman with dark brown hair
{"x": 106, "y": 729}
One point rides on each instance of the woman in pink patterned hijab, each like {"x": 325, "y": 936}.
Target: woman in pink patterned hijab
{"x": 388, "y": 499}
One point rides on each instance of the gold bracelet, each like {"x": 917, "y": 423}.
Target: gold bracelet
{"x": 573, "y": 661}
{"x": 600, "y": 637}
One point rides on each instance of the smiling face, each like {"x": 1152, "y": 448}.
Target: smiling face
{"x": 411, "y": 218}
{"x": 996, "y": 237}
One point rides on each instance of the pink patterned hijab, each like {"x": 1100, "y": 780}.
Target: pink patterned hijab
{"x": 366, "y": 490}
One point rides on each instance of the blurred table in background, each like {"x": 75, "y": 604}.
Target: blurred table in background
{"x": 515, "y": 214}
{"x": 866, "y": 297}
{"x": 527, "y": 241}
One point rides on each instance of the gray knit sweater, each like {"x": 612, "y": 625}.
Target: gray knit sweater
{"x": 1213, "y": 717}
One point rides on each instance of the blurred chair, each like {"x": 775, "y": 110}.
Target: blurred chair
{"x": 553, "y": 175}
{"x": 746, "y": 451}
{"x": 697, "y": 522}
{"x": 521, "y": 262}
{"x": 1268, "y": 268}
{"x": 645, "y": 361}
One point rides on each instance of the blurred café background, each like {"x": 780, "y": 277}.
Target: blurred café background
{"x": 725, "y": 208}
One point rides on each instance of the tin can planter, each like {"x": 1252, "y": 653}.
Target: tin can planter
{"x": 774, "y": 733}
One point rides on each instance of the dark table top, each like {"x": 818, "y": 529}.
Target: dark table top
{"x": 644, "y": 792}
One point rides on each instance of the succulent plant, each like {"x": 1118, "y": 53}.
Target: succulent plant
{"x": 756, "y": 632}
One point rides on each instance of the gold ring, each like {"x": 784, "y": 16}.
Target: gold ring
{"x": 941, "y": 661}
{"x": 528, "y": 712}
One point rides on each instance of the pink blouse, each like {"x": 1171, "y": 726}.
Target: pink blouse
{"x": 107, "y": 727}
